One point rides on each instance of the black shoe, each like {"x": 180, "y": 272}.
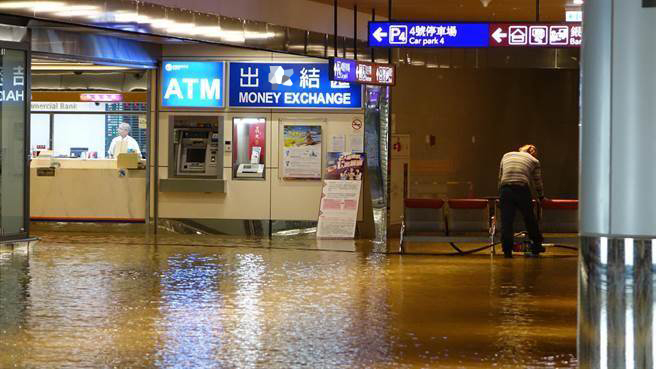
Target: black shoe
{"x": 507, "y": 254}
{"x": 538, "y": 249}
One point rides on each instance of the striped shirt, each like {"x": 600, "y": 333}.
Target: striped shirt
{"x": 521, "y": 168}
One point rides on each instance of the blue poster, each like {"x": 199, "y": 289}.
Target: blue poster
{"x": 428, "y": 35}
{"x": 286, "y": 85}
{"x": 193, "y": 84}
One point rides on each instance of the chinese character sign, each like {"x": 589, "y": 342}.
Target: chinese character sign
{"x": 193, "y": 84}
{"x": 345, "y": 70}
{"x": 12, "y": 82}
{"x": 289, "y": 85}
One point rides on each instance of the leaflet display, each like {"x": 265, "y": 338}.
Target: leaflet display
{"x": 340, "y": 197}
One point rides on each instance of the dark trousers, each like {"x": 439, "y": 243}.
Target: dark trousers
{"x": 512, "y": 198}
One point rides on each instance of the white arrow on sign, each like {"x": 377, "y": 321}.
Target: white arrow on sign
{"x": 379, "y": 34}
{"x": 498, "y": 35}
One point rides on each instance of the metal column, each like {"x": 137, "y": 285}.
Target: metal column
{"x": 617, "y": 263}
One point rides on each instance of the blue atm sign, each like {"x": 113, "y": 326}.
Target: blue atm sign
{"x": 193, "y": 84}
{"x": 428, "y": 35}
{"x": 290, "y": 85}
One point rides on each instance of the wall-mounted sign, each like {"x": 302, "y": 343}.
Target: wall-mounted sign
{"x": 101, "y": 97}
{"x": 473, "y": 35}
{"x": 287, "y": 85}
{"x": 353, "y": 71}
{"x": 58, "y": 106}
{"x": 193, "y": 84}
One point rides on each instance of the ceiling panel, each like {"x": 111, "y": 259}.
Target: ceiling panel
{"x": 465, "y": 10}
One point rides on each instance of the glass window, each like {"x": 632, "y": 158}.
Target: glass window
{"x": 75, "y": 133}
{"x": 248, "y": 147}
{"x": 39, "y": 132}
{"x": 90, "y": 130}
{"x": 12, "y": 135}
{"x": 137, "y": 122}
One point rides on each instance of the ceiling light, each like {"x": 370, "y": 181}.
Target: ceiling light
{"x": 259, "y": 35}
{"x": 129, "y": 17}
{"x": 34, "y": 5}
{"x": 486, "y": 3}
{"x": 578, "y": 2}
{"x": 78, "y": 11}
{"x": 184, "y": 28}
{"x": 161, "y": 23}
{"x": 74, "y": 8}
{"x": 72, "y": 68}
{"x": 233, "y": 36}
{"x": 208, "y": 31}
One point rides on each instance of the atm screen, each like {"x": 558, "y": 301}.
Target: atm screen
{"x": 196, "y": 155}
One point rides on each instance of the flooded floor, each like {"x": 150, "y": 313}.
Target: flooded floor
{"x": 99, "y": 301}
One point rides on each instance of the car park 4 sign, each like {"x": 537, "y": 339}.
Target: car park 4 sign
{"x": 290, "y": 85}
{"x": 473, "y": 35}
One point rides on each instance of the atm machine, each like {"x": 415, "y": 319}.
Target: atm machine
{"x": 195, "y": 154}
{"x": 196, "y": 151}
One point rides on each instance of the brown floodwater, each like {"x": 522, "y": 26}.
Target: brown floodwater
{"x": 128, "y": 301}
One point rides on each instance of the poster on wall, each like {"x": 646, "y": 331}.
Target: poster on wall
{"x": 340, "y": 196}
{"x": 301, "y": 152}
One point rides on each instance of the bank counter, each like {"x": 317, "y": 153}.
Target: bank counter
{"x": 67, "y": 189}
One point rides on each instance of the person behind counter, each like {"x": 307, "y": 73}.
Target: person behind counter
{"x": 123, "y": 143}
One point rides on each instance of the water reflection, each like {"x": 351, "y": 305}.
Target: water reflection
{"x": 80, "y": 302}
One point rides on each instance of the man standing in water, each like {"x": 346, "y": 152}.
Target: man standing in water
{"x": 517, "y": 171}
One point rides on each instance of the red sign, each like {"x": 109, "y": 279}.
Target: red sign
{"x": 357, "y": 124}
{"x": 256, "y": 139}
{"x": 535, "y": 35}
{"x": 355, "y": 71}
{"x": 101, "y": 97}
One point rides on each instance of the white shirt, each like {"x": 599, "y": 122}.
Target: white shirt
{"x": 122, "y": 145}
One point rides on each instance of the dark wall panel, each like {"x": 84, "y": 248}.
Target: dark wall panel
{"x": 478, "y": 115}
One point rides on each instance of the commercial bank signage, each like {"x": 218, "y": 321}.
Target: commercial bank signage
{"x": 193, "y": 84}
{"x": 474, "y": 35}
{"x": 290, "y": 85}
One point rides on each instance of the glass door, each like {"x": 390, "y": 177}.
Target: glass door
{"x": 13, "y": 153}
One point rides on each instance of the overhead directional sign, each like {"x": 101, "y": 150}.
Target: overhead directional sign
{"x": 535, "y": 35}
{"x": 428, "y": 35}
{"x": 473, "y": 35}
